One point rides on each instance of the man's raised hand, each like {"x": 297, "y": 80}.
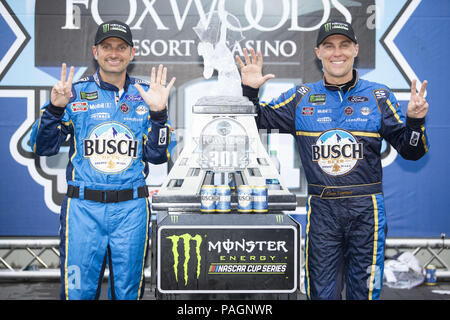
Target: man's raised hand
{"x": 158, "y": 93}
{"x": 418, "y": 105}
{"x": 61, "y": 92}
{"x": 251, "y": 71}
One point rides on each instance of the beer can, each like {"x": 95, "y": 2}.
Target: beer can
{"x": 260, "y": 203}
{"x": 430, "y": 275}
{"x": 223, "y": 199}
{"x": 245, "y": 198}
{"x": 208, "y": 198}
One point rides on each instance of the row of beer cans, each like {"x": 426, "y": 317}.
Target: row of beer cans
{"x": 217, "y": 199}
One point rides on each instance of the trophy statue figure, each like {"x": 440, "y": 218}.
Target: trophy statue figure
{"x": 216, "y": 38}
{"x": 224, "y": 146}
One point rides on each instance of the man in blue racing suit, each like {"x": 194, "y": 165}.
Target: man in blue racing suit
{"x": 339, "y": 123}
{"x": 116, "y": 125}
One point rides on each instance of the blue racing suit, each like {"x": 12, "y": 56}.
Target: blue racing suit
{"x": 339, "y": 136}
{"x": 105, "y": 215}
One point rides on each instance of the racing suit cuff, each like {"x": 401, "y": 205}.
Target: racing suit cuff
{"x": 415, "y": 123}
{"x": 160, "y": 116}
{"x": 250, "y": 92}
{"x": 55, "y": 111}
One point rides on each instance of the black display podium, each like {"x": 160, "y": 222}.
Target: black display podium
{"x": 225, "y": 256}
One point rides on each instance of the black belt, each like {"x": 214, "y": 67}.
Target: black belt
{"x": 344, "y": 191}
{"x": 106, "y": 196}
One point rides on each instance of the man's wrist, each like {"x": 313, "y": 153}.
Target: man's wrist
{"x": 160, "y": 116}
{"x": 249, "y": 92}
{"x": 55, "y": 111}
{"x": 415, "y": 123}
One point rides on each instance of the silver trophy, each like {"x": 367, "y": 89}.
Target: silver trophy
{"x": 225, "y": 147}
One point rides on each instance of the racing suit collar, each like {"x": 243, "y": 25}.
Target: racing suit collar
{"x": 109, "y": 86}
{"x": 345, "y": 87}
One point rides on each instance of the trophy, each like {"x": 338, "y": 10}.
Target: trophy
{"x": 225, "y": 148}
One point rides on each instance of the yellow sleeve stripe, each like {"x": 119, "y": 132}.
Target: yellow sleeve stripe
{"x": 355, "y": 133}
{"x": 424, "y": 139}
{"x": 281, "y": 104}
{"x": 393, "y": 111}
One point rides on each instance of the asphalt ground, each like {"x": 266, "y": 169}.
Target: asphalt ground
{"x": 49, "y": 290}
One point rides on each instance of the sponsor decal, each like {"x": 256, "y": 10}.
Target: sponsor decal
{"x": 134, "y": 98}
{"x": 114, "y": 26}
{"x": 337, "y": 152}
{"x": 141, "y": 110}
{"x": 162, "y": 136}
{"x": 308, "y": 111}
{"x": 101, "y": 116}
{"x": 124, "y": 108}
{"x": 414, "y": 138}
{"x": 357, "y": 120}
{"x": 348, "y": 111}
{"x": 102, "y": 105}
{"x": 89, "y": 95}
{"x": 380, "y": 93}
{"x": 318, "y": 99}
{"x": 335, "y": 25}
{"x": 79, "y": 106}
{"x": 110, "y": 148}
{"x": 357, "y": 99}
{"x": 365, "y": 111}
{"x": 135, "y": 119}
{"x": 324, "y": 119}
{"x": 302, "y": 90}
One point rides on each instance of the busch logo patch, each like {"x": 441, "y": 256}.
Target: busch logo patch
{"x": 337, "y": 152}
{"x": 110, "y": 147}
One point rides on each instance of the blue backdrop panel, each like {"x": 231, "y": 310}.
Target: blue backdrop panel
{"x": 417, "y": 199}
{"x": 22, "y": 207}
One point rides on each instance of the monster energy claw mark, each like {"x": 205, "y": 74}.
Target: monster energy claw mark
{"x": 187, "y": 248}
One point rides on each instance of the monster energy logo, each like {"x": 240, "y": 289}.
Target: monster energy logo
{"x": 105, "y": 28}
{"x": 187, "y": 256}
{"x": 327, "y": 27}
{"x": 279, "y": 218}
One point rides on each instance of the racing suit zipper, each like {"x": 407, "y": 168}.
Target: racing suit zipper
{"x": 117, "y": 98}
{"x": 118, "y": 94}
{"x": 340, "y": 96}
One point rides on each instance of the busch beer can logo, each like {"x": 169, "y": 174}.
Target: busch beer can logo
{"x": 337, "y": 152}
{"x": 110, "y": 147}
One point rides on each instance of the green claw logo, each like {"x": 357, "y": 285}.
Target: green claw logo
{"x": 187, "y": 248}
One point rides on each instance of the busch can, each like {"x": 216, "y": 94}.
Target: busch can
{"x": 245, "y": 199}
{"x": 223, "y": 199}
{"x": 260, "y": 203}
{"x": 430, "y": 275}
{"x": 208, "y": 198}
